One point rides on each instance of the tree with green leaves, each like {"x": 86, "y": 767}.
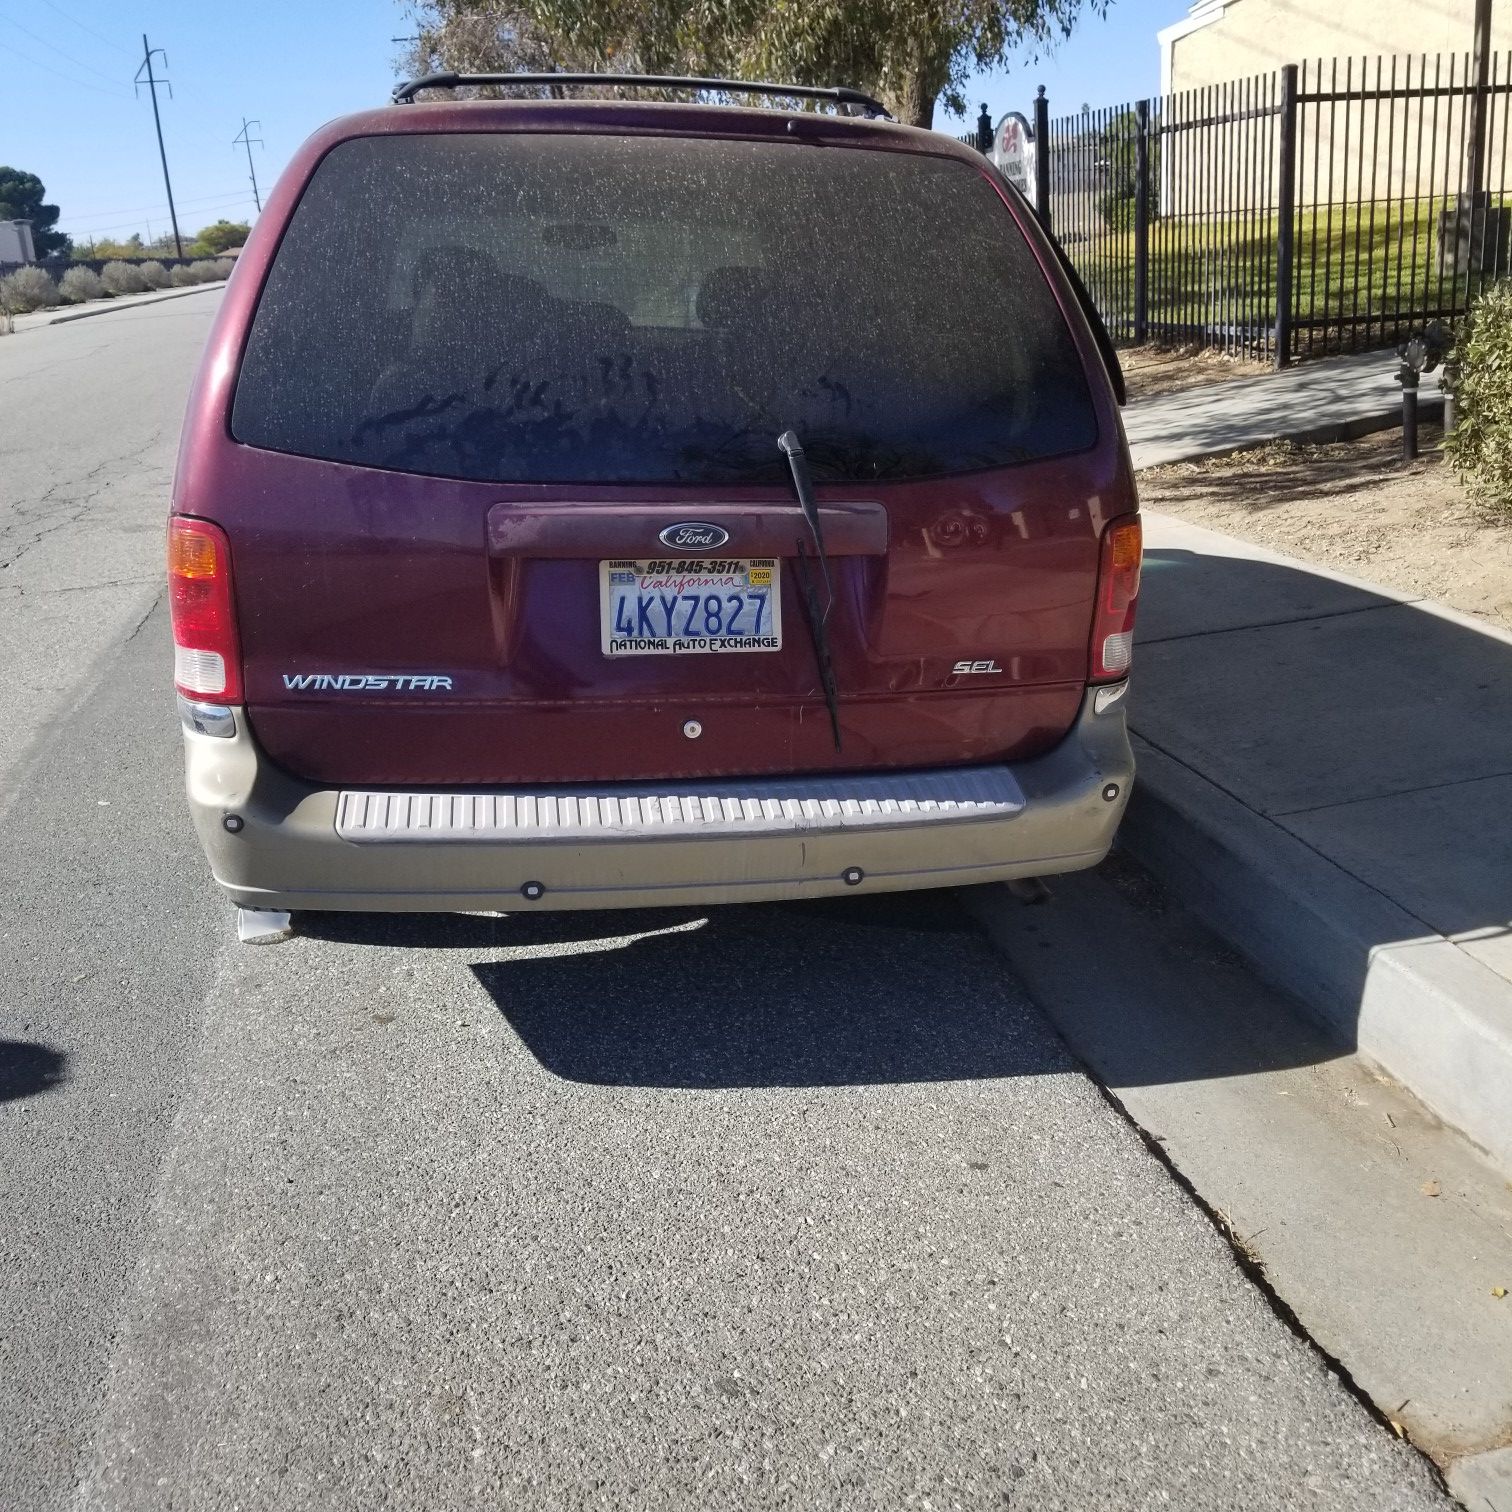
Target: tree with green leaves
{"x": 913, "y": 54}
{"x": 21, "y": 196}
{"x": 487, "y": 36}
{"x": 214, "y": 240}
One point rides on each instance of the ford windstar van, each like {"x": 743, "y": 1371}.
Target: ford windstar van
{"x": 590, "y": 503}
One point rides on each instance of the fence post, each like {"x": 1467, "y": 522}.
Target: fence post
{"x": 1286, "y": 229}
{"x": 984, "y": 130}
{"x": 1142, "y": 221}
{"x": 1042, "y": 159}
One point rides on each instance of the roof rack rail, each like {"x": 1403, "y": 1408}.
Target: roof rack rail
{"x": 839, "y": 95}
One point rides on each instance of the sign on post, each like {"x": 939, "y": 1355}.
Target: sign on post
{"x": 1013, "y": 153}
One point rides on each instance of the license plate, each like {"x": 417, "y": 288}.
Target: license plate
{"x": 666, "y": 608}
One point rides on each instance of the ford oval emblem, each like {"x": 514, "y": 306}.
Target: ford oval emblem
{"x": 693, "y": 535}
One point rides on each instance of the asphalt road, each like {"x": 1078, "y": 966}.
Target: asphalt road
{"x": 795, "y": 1206}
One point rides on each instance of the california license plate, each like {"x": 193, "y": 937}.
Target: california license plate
{"x": 666, "y": 608}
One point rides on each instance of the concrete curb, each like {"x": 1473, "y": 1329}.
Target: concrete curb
{"x": 112, "y": 307}
{"x": 1373, "y": 976}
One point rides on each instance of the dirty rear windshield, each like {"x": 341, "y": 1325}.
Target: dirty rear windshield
{"x": 539, "y": 307}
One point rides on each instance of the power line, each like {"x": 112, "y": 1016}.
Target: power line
{"x": 59, "y": 74}
{"x": 82, "y": 27}
{"x": 77, "y": 62}
{"x": 220, "y": 210}
{"x": 227, "y": 196}
{"x": 157, "y": 120}
{"x": 245, "y": 140}
{"x": 130, "y": 216}
{"x": 110, "y": 233}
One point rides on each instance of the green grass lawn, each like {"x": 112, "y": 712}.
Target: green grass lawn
{"x": 1373, "y": 262}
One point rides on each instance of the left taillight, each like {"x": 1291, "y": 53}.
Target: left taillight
{"x": 1117, "y": 599}
{"x": 206, "y": 651}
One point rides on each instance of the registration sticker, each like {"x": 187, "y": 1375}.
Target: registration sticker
{"x": 692, "y": 607}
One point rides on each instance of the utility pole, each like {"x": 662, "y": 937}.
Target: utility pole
{"x": 152, "y": 83}
{"x": 243, "y": 140}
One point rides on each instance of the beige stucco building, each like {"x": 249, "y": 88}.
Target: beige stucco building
{"x": 1384, "y": 103}
{"x": 1232, "y": 39}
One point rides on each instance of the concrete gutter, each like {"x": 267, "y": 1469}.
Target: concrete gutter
{"x": 111, "y": 306}
{"x": 1379, "y": 981}
{"x": 1316, "y": 1168}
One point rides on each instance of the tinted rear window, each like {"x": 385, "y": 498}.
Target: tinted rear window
{"x": 539, "y": 307}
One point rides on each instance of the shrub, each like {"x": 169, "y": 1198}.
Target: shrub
{"x": 1480, "y": 445}
{"x": 79, "y": 284}
{"x": 182, "y": 276}
{"x": 1117, "y": 211}
{"x": 204, "y": 270}
{"x": 154, "y": 274}
{"x": 28, "y": 289}
{"x": 123, "y": 278}
{"x": 225, "y": 266}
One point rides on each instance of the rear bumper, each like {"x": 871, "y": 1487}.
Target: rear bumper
{"x": 301, "y": 846}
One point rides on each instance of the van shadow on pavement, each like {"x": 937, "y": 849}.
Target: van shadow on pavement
{"x": 853, "y": 990}
{"x": 845, "y": 993}
{"x": 27, "y": 1068}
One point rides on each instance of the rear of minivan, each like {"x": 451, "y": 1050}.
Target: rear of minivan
{"x": 493, "y": 587}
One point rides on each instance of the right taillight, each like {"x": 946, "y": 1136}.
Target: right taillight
{"x": 206, "y": 652}
{"x": 1117, "y": 597}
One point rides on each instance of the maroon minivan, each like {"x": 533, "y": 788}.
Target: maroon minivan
{"x": 599, "y": 503}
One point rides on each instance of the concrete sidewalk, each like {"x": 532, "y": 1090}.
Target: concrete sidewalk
{"x": 1325, "y": 776}
{"x": 1330, "y": 400}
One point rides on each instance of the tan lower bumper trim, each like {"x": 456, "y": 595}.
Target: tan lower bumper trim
{"x": 291, "y": 849}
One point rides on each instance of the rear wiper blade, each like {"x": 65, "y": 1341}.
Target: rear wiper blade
{"x": 818, "y": 619}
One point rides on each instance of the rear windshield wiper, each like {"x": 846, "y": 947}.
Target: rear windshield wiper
{"x": 818, "y": 620}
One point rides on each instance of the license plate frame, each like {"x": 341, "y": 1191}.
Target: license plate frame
{"x": 635, "y": 618}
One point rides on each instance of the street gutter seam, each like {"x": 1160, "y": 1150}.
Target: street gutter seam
{"x": 1432, "y": 787}
{"x": 1300, "y": 619}
{"x": 1254, "y": 1270}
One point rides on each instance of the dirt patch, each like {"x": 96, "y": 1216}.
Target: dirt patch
{"x": 1357, "y": 508}
{"x": 1149, "y": 371}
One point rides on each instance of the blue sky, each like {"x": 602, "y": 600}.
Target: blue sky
{"x": 67, "y": 111}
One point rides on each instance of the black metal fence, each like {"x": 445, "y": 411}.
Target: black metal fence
{"x": 1330, "y": 206}
{"x": 981, "y": 138}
